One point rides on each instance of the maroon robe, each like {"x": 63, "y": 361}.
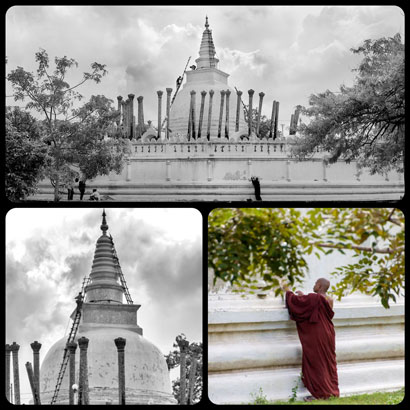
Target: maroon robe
{"x": 313, "y": 316}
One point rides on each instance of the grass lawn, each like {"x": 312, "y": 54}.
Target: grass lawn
{"x": 374, "y": 398}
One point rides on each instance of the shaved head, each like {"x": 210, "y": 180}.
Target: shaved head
{"x": 321, "y": 285}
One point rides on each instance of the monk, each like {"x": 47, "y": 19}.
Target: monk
{"x": 313, "y": 315}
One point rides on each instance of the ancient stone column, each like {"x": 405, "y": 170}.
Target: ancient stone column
{"x": 228, "y": 93}
{"x": 120, "y": 343}
{"x": 159, "y": 93}
{"x": 250, "y": 93}
{"x": 32, "y": 381}
{"x": 8, "y": 354}
{"x": 72, "y": 347}
{"x": 292, "y": 125}
{"x": 127, "y": 118}
{"x": 221, "y": 110}
{"x": 83, "y": 397}
{"x": 192, "y": 373}
{"x": 15, "y": 351}
{"x": 140, "y": 116}
{"x": 193, "y": 98}
{"x": 189, "y": 133}
{"x": 238, "y": 109}
{"x": 123, "y": 116}
{"x": 272, "y": 119}
{"x": 208, "y": 131}
{"x": 36, "y": 346}
{"x": 261, "y": 95}
{"x": 131, "y": 115}
{"x": 275, "y": 125}
{"x": 201, "y": 113}
{"x": 119, "y": 99}
{"x": 183, "y": 351}
{"x": 169, "y": 91}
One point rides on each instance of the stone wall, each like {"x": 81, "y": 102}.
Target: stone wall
{"x": 253, "y": 345}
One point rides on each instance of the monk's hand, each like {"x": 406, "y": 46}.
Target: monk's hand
{"x": 299, "y": 293}
{"x": 284, "y": 285}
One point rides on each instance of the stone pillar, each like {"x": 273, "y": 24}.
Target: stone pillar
{"x": 168, "y": 170}
{"x": 221, "y": 110}
{"x": 36, "y": 346}
{"x": 8, "y": 354}
{"x": 261, "y": 95}
{"x": 189, "y": 133}
{"x": 140, "y": 116}
{"x": 127, "y": 117}
{"x": 324, "y": 167}
{"x": 169, "y": 91}
{"x": 83, "y": 397}
{"x": 250, "y": 92}
{"x": 288, "y": 170}
{"x": 123, "y": 116}
{"x": 32, "y": 381}
{"x": 119, "y": 99}
{"x": 159, "y": 93}
{"x": 228, "y": 93}
{"x": 72, "y": 347}
{"x": 275, "y": 125}
{"x": 192, "y": 373}
{"x": 183, "y": 351}
{"x": 131, "y": 115}
{"x": 193, "y": 100}
{"x": 208, "y": 131}
{"x": 272, "y": 120}
{"x": 238, "y": 109}
{"x": 120, "y": 343}
{"x": 209, "y": 169}
{"x": 15, "y": 351}
{"x": 201, "y": 113}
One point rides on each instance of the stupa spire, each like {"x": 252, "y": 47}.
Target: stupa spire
{"x": 104, "y": 226}
{"x": 207, "y": 51}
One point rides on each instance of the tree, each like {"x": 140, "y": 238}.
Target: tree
{"x": 364, "y": 122}
{"x": 174, "y": 359}
{"x": 264, "y": 126}
{"x": 247, "y": 246}
{"x": 25, "y": 154}
{"x": 75, "y": 136}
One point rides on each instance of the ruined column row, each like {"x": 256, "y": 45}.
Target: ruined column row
{"x": 34, "y": 375}
{"x": 134, "y": 128}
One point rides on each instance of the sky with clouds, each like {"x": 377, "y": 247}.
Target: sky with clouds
{"x": 50, "y": 251}
{"x": 288, "y": 52}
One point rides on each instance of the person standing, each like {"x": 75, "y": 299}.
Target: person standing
{"x": 81, "y": 188}
{"x": 313, "y": 315}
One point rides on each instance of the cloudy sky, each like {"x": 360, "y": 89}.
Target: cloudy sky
{"x": 286, "y": 52}
{"x": 49, "y": 251}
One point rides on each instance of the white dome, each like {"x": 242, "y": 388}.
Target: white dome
{"x": 146, "y": 372}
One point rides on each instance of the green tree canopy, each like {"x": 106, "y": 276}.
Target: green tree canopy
{"x": 26, "y": 154}
{"x": 76, "y": 136}
{"x": 364, "y": 122}
{"x": 247, "y": 246}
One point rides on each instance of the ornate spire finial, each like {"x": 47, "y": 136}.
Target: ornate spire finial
{"x": 206, "y": 22}
{"x": 104, "y": 226}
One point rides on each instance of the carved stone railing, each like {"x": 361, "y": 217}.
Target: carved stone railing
{"x": 205, "y": 148}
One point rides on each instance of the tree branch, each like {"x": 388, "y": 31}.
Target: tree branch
{"x": 357, "y": 247}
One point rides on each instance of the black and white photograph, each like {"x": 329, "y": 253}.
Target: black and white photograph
{"x": 204, "y": 103}
{"x": 108, "y": 301}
